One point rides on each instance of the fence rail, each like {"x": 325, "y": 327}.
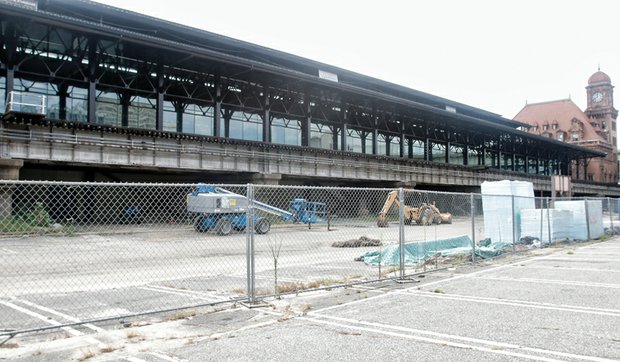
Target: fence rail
{"x": 100, "y": 251}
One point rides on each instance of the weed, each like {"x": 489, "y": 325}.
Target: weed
{"x": 38, "y": 352}
{"x": 239, "y": 290}
{"x": 181, "y": 315}
{"x": 135, "y": 336}
{"x": 439, "y": 291}
{"x": 570, "y": 252}
{"x": 86, "y": 355}
{"x": 9, "y": 345}
{"x": 107, "y": 349}
{"x": 290, "y": 287}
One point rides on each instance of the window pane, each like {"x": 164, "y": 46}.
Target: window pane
{"x": 108, "y": 109}
{"x": 285, "y": 131}
{"x": 321, "y": 136}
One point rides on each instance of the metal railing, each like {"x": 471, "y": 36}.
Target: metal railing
{"x": 99, "y": 251}
{"x": 25, "y": 102}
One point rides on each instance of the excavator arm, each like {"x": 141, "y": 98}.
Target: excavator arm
{"x": 389, "y": 201}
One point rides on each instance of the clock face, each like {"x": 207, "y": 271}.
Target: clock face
{"x": 597, "y": 97}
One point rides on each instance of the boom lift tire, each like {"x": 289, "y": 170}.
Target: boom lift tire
{"x": 262, "y": 226}
{"x": 223, "y": 226}
{"x": 198, "y": 224}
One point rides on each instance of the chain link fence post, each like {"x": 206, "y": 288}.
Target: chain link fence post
{"x": 587, "y": 217}
{"x": 401, "y": 230}
{"x": 611, "y": 217}
{"x": 249, "y": 233}
{"x": 473, "y": 227}
{"x": 514, "y": 223}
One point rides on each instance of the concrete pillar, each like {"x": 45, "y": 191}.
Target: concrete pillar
{"x": 266, "y": 178}
{"x": 9, "y": 170}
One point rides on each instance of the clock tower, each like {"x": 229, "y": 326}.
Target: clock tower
{"x": 600, "y": 111}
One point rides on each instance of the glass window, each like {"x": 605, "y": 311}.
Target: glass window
{"x": 438, "y": 152}
{"x": 77, "y": 104}
{"x": 456, "y": 155}
{"x": 142, "y": 113}
{"x": 197, "y": 120}
{"x": 50, "y": 90}
{"x": 382, "y": 141}
{"x": 285, "y": 131}
{"x": 246, "y": 126}
{"x": 395, "y": 146}
{"x": 575, "y": 136}
{"x": 170, "y": 117}
{"x": 560, "y": 136}
{"x": 474, "y": 156}
{"x": 491, "y": 159}
{"x": 531, "y": 167}
{"x": 507, "y": 162}
{"x": 417, "y": 149}
{"x": 322, "y": 136}
{"x": 354, "y": 140}
{"x": 520, "y": 164}
{"x": 108, "y": 109}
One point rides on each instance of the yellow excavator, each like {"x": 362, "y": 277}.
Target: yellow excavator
{"x": 426, "y": 214}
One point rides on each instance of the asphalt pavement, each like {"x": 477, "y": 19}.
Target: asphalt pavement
{"x": 554, "y": 304}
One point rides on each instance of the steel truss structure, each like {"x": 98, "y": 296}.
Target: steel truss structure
{"x": 104, "y": 68}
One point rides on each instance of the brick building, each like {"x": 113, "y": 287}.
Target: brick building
{"x": 594, "y": 128}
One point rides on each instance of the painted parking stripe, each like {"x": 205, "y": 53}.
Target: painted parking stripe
{"x": 178, "y": 292}
{"x": 575, "y": 269}
{"x": 551, "y": 281}
{"x": 472, "y": 343}
{"x": 441, "y": 281}
{"x": 521, "y": 303}
{"x": 59, "y": 314}
{"x": 53, "y": 322}
{"x": 7, "y": 251}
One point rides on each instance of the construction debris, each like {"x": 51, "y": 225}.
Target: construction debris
{"x": 357, "y": 243}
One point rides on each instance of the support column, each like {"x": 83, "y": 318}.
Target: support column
{"x": 9, "y": 170}
{"x": 267, "y": 118}
{"x": 447, "y": 154}
{"x": 178, "y": 109}
{"x": 62, "y": 101}
{"x": 11, "y": 47}
{"x": 402, "y": 139}
{"x": 159, "y": 117}
{"x": 306, "y": 126}
{"x": 125, "y": 99}
{"x": 410, "y": 148}
{"x": 92, "y": 72}
{"x": 344, "y": 128}
{"x": 217, "y": 111}
{"x": 466, "y": 155}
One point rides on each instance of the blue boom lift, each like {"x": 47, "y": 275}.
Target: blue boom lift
{"x": 225, "y": 211}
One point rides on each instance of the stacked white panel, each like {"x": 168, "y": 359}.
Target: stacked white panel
{"x": 538, "y": 223}
{"x": 497, "y": 205}
{"x": 579, "y": 224}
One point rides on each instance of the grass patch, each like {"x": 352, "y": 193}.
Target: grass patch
{"x": 180, "y": 315}
{"x": 86, "y": 355}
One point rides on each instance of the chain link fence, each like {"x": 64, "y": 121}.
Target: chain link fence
{"x": 86, "y": 252}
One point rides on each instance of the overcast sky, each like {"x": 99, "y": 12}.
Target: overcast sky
{"x": 489, "y": 54}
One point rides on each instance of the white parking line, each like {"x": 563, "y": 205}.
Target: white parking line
{"x": 575, "y": 269}
{"x": 576, "y": 258}
{"x": 450, "y": 279}
{"x": 54, "y": 312}
{"x": 551, "y": 281}
{"x": 445, "y": 339}
{"x": 520, "y": 303}
{"x": 191, "y": 294}
{"x": 53, "y": 322}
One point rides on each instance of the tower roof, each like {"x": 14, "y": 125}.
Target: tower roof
{"x": 599, "y": 77}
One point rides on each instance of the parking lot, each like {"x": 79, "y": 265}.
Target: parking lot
{"x": 553, "y": 304}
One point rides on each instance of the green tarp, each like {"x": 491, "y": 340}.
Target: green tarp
{"x": 417, "y": 252}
